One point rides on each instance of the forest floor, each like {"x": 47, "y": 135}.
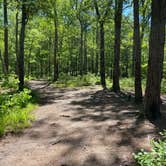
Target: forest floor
{"x": 79, "y": 127}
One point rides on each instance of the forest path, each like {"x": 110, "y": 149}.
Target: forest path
{"x": 78, "y": 127}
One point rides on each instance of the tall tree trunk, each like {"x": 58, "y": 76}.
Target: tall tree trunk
{"x": 6, "y": 56}
{"x": 16, "y": 40}
{"x": 137, "y": 53}
{"x": 116, "y": 69}
{"x": 102, "y": 56}
{"x": 81, "y": 50}
{"x": 21, "y": 51}
{"x": 29, "y": 59}
{"x": 156, "y": 56}
{"x": 49, "y": 57}
{"x": 93, "y": 51}
{"x": 55, "y": 46}
{"x": 97, "y": 49}
{"x": 85, "y": 53}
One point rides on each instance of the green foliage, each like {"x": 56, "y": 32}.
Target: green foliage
{"x": 157, "y": 156}
{"x": 127, "y": 83}
{"x": 10, "y": 82}
{"x": 163, "y": 86}
{"x": 15, "y": 111}
{"x": 71, "y": 81}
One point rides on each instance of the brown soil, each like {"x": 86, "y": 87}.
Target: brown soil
{"x": 79, "y": 127}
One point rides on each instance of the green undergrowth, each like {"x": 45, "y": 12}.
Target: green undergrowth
{"x": 126, "y": 84}
{"x": 157, "y": 155}
{"x": 79, "y": 81}
{"x": 15, "y": 108}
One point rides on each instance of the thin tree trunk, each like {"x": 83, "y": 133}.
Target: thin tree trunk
{"x": 55, "y": 46}
{"x": 85, "y": 53}
{"x": 6, "y": 55}
{"x": 116, "y": 69}
{"x": 21, "y": 51}
{"x": 97, "y": 49}
{"x": 137, "y": 53}
{"x": 81, "y": 50}
{"x": 49, "y": 58}
{"x": 102, "y": 56}
{"x": 29, "y": 58}
{"x": 156, "y": 56}
{"x": 16, "y": 44}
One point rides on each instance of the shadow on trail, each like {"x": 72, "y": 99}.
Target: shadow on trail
{"x": 111, "y": 106}
{"x": 112, "y": 116}
{"x": 109, "y": 126}
{"x": 47, "y": 93}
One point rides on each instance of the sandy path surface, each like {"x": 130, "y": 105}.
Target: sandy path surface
{"x": 78, "y": 127}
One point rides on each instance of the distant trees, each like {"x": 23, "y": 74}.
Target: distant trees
{"x": 156, "y": 57}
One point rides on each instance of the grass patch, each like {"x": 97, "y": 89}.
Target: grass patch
{"x": 17, "y": 120}
{"x": 157, "y": 155}
{"x": 126, "y": 84}
{"x": 79, "y": 81}
{"x": 15, "y": 110}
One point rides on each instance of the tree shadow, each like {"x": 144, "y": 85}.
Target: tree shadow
{"x": 116, "y": 122}
{"x": 109, "y": 128}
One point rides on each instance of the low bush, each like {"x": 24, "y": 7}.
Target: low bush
{"x": 10, "y": 82}
{"x": 157, "y": 155}
{"x": 15, "y": 111}
{"x": 71, "y": 81}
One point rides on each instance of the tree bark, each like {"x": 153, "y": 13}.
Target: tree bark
{"x": 137, "y": 53}
{"x": 55, "y": 45}
{"x": 6, "y": 55}
{"x": 49, "y": 58}
{"x": 16, "y": 40}
{"x": 21, "y": 51}
{"x": 29, "y": 59}
{"x": 81, "y": 50}
{"x": 156, "y": 57}
{"x": 85, "y": 53}
{"x": 116, "y": 69}
{"x": 97, "y": 50}
{"x": 102, "y": 56}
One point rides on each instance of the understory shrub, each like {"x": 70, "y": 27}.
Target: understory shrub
{"x": 15, "y": 111}
{"x": 157, "y": 155}
{"x": 72, "y": 81}
{"x": 10, "y": 82}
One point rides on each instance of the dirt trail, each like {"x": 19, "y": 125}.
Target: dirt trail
{"x": 78, "y": 127}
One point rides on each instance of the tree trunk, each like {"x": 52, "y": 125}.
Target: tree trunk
{"x": 16, "y": 44}
{"x": 29, "y": 59}
{"x": 156, "y": 56}
{"x": 55, "y": 46}
{"x": 21, "y": 51}
{"x": 116, "y": 70}
{"x": 97, "y": 50}
{"x": 137, "y": 53}
{"x": 85, "y": 53}
{"x": 81, "y": 50}
{"x": 6, "y": 56}
{"x": 49, "y": 58}
{"x": 102, "y": 56}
